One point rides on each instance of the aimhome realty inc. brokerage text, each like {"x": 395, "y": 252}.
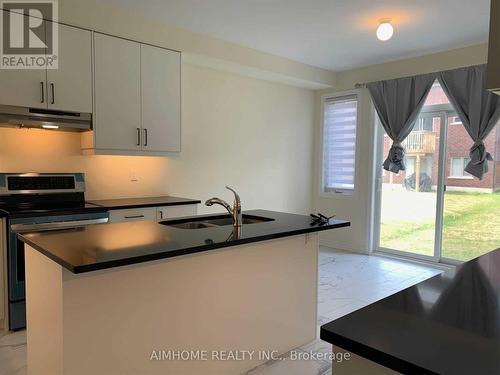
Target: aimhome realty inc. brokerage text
{"x": 245, "y": 355}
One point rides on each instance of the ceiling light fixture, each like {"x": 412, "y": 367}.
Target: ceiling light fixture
{"x": 385, "y": 30}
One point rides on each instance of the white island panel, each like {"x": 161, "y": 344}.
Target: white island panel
{"x": 255, "y": 297}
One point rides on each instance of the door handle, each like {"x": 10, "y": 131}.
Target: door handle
{"x": 53, "y": 91}
{"x": 42, "y": 92}
{"x": 133, "y": 216}
{"x": 145, "y": 137}
{"x": 138, "y": 136}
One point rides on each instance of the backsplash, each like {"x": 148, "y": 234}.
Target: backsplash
{"x": 33, "y": 150}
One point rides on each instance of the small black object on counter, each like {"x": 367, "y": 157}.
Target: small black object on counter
{"x": 320, "y": 219}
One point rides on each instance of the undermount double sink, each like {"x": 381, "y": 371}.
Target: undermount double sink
{"x": 213, "y": 221}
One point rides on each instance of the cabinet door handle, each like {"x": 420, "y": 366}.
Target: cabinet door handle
{"x": 53, "y": 91}
{"x": 42, "y": 93}
{"x": 133, "y": 216}
{"x": 161, "y": 214}
{"x": 145, "y": 137}
{"x": 138, "y": 136}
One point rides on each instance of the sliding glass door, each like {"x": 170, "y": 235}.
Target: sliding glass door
{"x": 409, "y": 199}
{"x": 435, "y": 210}
{"x": 471, "y": 224}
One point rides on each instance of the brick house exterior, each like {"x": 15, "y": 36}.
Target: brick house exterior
{"x": 457, "y": 154}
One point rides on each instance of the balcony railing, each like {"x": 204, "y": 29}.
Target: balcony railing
{"x": 420, "y": 142}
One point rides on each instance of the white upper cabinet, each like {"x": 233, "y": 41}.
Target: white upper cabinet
{"x": 69, "y": 88}
{"x": 133, "y": 90}
{"x": 137, "y": 98}
{"x": 117, "y": 82}
{"x": 23, "y": 87}
{"x": 161, "y": 99}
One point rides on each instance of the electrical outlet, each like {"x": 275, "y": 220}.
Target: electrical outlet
{"x": 133, "y": 176}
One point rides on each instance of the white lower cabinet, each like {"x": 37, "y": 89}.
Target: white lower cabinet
{"x": 132, "y": 214}
{"x": 151, "y": 213}
{"x": 169, "y": 212}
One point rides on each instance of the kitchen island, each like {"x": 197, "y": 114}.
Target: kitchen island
{"x": 158, "y": 298}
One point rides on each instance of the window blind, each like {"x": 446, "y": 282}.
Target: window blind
{"x": 339, "y": 143}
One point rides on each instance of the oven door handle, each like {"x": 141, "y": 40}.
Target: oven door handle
{"x": 23, "y": 228}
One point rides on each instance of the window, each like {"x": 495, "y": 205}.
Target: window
{"x": 410, "y": 165}
{"x": 457, "y": 168}
{"x": 339, "y": 144}
{"x": 455, "y": 120}
{"x": 423, "y": 123}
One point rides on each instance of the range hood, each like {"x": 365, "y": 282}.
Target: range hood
{"x": 21, "y": 117}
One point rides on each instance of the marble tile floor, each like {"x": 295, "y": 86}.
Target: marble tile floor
{"x": 347, "y": 282}
{"x": 13, "y": 353}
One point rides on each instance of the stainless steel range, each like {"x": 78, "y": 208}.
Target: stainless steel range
{"x": 34, "y": 202}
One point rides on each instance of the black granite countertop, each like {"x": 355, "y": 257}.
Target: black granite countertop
{"x": 84, "y": 208}
{"x": 448, "y": 324}
{"x": 103, "y": 246}
{"x": 122, "y": 203}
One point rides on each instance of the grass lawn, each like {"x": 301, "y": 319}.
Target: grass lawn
{"x": 471, "y": 228}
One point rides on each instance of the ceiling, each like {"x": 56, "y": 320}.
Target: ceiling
{"x": 331, "y": 34}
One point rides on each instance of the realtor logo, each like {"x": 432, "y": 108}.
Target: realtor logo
{"x": 28, "y": 40}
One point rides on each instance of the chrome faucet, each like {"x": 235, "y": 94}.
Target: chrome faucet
{"x": 235, "y": 211}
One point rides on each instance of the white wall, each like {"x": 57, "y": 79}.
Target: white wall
{"x": 35, "y": 150}
{"x": 435, "y": 62}
{"x": 254, "y": 135}
{"x": 359, "y": 209}
{"x": 354, "y": 208}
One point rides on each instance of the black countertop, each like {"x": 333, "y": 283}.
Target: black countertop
{"x": 448, "y": 324}
{"x": 85, "y": 208}
{"x": 115, "y": 204}
{"x": 103, "y": 246}
{"x": 51, "y": 208}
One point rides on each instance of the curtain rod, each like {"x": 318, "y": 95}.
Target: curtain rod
{"x": 364, "y": 84}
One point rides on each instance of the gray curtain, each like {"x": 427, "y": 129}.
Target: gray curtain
{"x": 478, "y": 109}
{"x": 398, "y": 103}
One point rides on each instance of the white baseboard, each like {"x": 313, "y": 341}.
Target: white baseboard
{"x": 444, "y": 267}
{"x": 342, "y": 246}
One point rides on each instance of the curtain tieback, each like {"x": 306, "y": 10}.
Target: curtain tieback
{"x": 395, "y": 160}
{"x": 479, "y": 157}
{"x": 479, "y": 154}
